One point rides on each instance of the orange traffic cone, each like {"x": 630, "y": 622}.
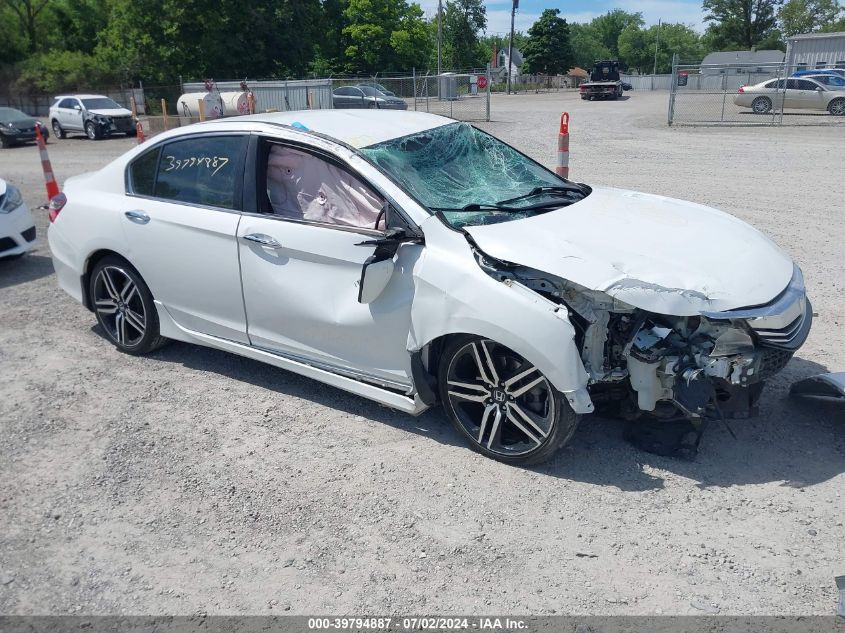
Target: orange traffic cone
{"x": 139, "y": 132}
{"x": 49, "y": 178}
{"x": 562, "y": 168}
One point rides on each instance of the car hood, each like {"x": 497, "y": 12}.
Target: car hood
{"x": 111, "y": 111}
{"x": 26, "y": 122}
{"x": 659, "y": 254}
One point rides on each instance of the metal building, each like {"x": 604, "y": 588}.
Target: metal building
{"x": 816, "y": 50}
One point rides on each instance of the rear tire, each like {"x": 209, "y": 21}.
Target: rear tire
{"x": 501, "y": 404}
{"x": 837, "y": 107}
{"x": 124, "y": 306}
{"x": 761, "y": 105}
{"x": 58, "y": 132}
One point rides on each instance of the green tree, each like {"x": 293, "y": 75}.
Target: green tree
{"x": 586, "y": 45}
{"x": 636, "y": 46}
{"x": 808, "y": 16}
{"x": 384, "y": 35}
{"x": 548, "y": 49}
{"x": 741, "y": 24}
{"x": 608, "y": 27}
{"x": 463, "y": 20}
{"x": 27, "y": 13}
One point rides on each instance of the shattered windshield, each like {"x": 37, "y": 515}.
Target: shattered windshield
{"x": 470, "y": 176}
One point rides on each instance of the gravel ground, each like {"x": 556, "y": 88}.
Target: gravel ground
{"x": 192, "y": 480}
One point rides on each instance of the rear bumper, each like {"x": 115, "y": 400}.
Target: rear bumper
{"x": 17, "y": 232}
{"x": 68, "y": 276}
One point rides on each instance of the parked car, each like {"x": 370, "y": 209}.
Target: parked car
{"x": 830, "y": 80}
{"x": 17, "y": 228}
{"x": 839, "y": 72}
{"x": 793, "y": 92}
{"x": 413, "y": 259}
{"x": 363, "y": 96}
{"x": 17, "y": 127}
{"x": 383, "y": 90}
{"x": 95, "y": 115}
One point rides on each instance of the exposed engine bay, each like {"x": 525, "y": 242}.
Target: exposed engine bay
{"x": 696, "y": 368}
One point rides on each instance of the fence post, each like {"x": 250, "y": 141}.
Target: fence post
{"x": 489, "y": 81}
{"x": 164, "y": 112}
{"x": 674, "y": 80}
{"x": 414, "y": 76}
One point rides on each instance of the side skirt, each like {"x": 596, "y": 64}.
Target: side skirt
{"x": 408, "y": 404}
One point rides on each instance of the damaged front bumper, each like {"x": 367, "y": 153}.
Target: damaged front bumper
{"x": 719, "y": 369}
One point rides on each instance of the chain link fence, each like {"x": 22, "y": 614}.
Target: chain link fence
{"x": 753, "y": 94}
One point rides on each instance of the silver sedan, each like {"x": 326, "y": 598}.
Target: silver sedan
{"x": 792, "y": 92}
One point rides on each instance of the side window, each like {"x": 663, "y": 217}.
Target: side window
{"x": 142, "y": 173}
{"x": 792, "y": 84}
{"x": 804, "y": 84}
{"x": 771, "y": 84}
{"x": 304, "y": 186}
{"x": 66, "y": 103}
{"x": 204, "y": 170}
{"x": 356, "y": 92}
{"x": 343, "y": 92}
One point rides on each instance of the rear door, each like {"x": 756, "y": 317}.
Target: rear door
{"x": 180, "y": 219}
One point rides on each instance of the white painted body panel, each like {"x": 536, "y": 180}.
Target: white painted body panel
{"x": 302, "y": 298}
{"x": 13, "y": 224}
{"x": 660, "y": 254}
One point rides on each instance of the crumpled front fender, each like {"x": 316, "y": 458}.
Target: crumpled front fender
{"x": 452, "y": 295}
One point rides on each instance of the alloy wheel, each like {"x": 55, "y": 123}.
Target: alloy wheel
{"x": 837, "y": 107}
{"x": 761, "y": 105}
{"x": 503, "y": 402}
{"x": 120, "y": 308}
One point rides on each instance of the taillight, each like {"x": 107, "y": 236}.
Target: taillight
{"x": 741, "y": 89}
{"x": 57, "y": 203}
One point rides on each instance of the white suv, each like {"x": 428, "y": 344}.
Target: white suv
{"x": 95, "y": 115}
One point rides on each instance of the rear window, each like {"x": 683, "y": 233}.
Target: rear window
{"x": 142, "y": 173}
{"x": 203, "y": 170}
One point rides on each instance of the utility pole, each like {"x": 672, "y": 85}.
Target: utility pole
{"x": 510, "y": 46}
{"x": 439, "y": 35}
{"x": 656, "y": 43}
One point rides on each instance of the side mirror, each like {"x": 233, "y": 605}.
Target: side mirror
{"x": 77, "y": 107}
{"x": 819, "y": 88}
{"x": 374, "y": 279}
{"x": 378, "y": 269}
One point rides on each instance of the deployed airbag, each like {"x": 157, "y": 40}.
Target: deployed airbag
{"x": 302, "y": 186}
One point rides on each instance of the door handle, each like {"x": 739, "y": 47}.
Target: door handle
{"x": 263, "y": 240}
{"x": 138, "y": 217}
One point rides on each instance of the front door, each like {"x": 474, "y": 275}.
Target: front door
{"x": 301, "y": 263}
{"x": 180, "y": 222}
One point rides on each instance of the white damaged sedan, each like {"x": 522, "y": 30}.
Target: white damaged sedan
{"x": 416, "y": 260}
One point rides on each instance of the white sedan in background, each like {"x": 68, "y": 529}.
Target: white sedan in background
{"x": 799, "y": 93}
{"x": 417, "y": 260}
{"x": 17, "y": 228}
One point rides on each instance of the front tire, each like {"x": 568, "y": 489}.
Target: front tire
{"x": 761, "y": 105}
{"x": 124, "y": 306}
{"x": 502, "y": 404}
{"x": 91, "y": 131}
{"x": 837, "y": 107}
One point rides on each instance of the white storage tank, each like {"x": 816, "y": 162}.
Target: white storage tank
{"x": 213, "y": 104}
{"x": 235, "y": 103}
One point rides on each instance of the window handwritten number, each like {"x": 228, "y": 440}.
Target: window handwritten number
{"x": 210, "y": 162}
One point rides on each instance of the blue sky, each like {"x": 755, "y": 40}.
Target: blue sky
{"x": 499, "y": 15}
